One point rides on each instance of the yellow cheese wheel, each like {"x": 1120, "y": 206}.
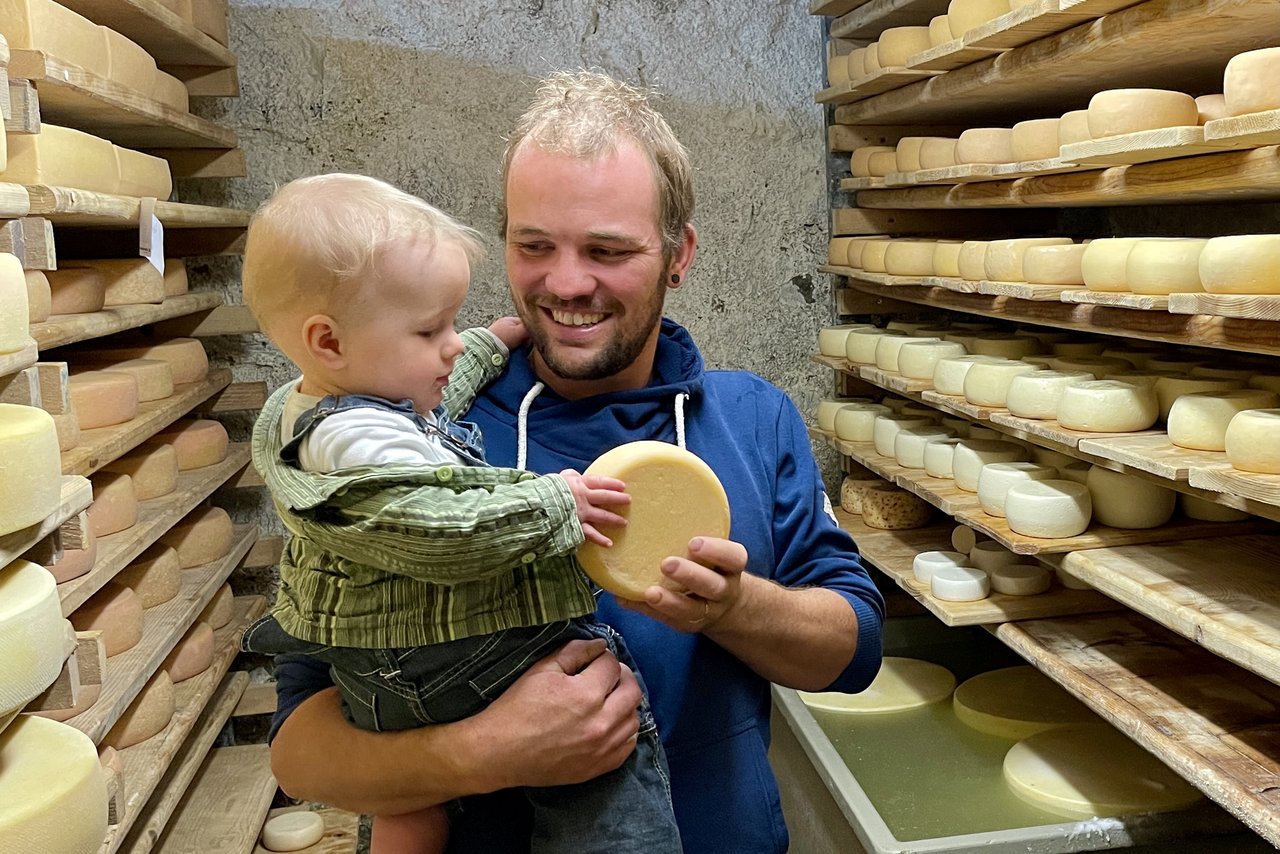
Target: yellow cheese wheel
{"x": 221, "y": 608}
{"x": 34, "y": 638}
{"x": 1120, "y": 111}
{"x": 972, "y": 260}
{"x": 909, "y": 258}
{"x": 203, "y": 536}
{"x": 855, "y": 422}
{"x": 1104, "y": 264}
{"x": 175, "y": 277}
{"x": 185, "y": 356}
{"x": 837, "y": 251}
{"x": 860, "y": 160}
{"x": 1165, "y": 266}
{"x": 831, "y": 339}
{"x": 1210, "y": 108}
{"x": 103, "y": 398}
{"x": 127, "y": 281}
{"x": 938, "y": 153}
{"x": 143, "y": 175}
{"x": 1253, "y": 441}
{"x": 15, "y": 311}
{"x": 154, "y": 377}
{"x": 68, "y": 426}
{"x": 965, "y": 15}
{"x": 115, "y": 503}
{"x": 1035, "y": 139}
{"x": 153, "y": 468}
{"x": 116, "y": 611}
{"x": 1073, "y": 127}
{"x": 675, "y": 496}
{"x": 127, "y": 64}
{"x": 39, "y": 295}
{"x": 1003, "y": 261}
{"x": 907, "y": 153}
{"x": 1251, "y": 83}
{"x": 901, "y": 684}
{"x": 1054, "y": 265}
{"x": 61, "y": 157}
{"x": 148, "y": 715}
{"x": 53, "y": 793}
{"x": 31, "y": 471}
{"x": 1200, "y": 420}
{"x": 1124, "y": 501}
{"x": 51, "y": 27}
{"x": 946, "y": 258}
{"x": 985, "y": 145}
{"x": 155, "y": 575}
{"x": 939, "y": 31}
{"x": 1241, "y": 264}
{"x": 170, "y": 91}
{"x": 75, "y": 290}
{"x": 1016, "y": 702}
{"x": 888, "y": 347}
{"x": 860, "y": 345}
{"x": 899, "y": 44}
{"x": 198, "y": 443}
{"x": 838, "y": 69}
{"x": 192, "y": 656}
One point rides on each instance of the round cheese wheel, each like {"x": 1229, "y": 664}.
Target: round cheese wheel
{"x": 1085, "y": 770}
{"x": 939, "y": 31}
{"x": 985, "y": 145}
{"x": 1057, "y": 264}
{"x": 68, "y": 426}
{"x": 972, "y": 261}
{"x": 898, "y": 44}
{"x": 959, "y": 584}
{"x": 1020, "y": 579}
{"x": 116, "y": 611}
{"x": 1253, "y": 441}
{"x": 1073, "y": 127}
{"x": 871, "y": 60}
{"x": 882, "y": 163}
{"x": 965, "y": 15}
{"x": 972, "y": 454}
{"x": 855, "y": 422}
{"x": 115, "y": 503}
{"x": 860, "y": 160}
{"x": 900, "y": 685}
{"x": 75, "y": 562}
{"x": 39, "y": 296}
{"x": 1077, "y": 472}
{"x": 831, "y": 339}
{"x": 909, "y": 444}
{"x": 860, "y": 345}
{"x": 889, "y": 508}
{"x": 828, "y": 408}
{"x": 1036, "y": 139}
{"x": 221, "y": 608}
{"x": 949, "y": 374}
{"x": 1251, "y": 83}
{"x": 53, "y": 793}
{"x": 1124, "y": 501}
{"x": 176, "y": 281}
{"x": 938, "y": 153}
{"x": 1241, "y": 264}
{"x": 838, "y": 251}
{"x": 988, "y": 555}
{"x": 34, "y": 638}
{"x": 873, "y": 254}
{"x": 939, "y": 456}
{"x": 198, "y": 442}
{"x": 149, "y": 714}
{"x": 1223, "y": 372}
{"x": 1048, "y": 509}
{"x": 1107, "y": 406}
{"x": 1049, "y": 457}
{"x": 1070, "y": 582}
{"x": 1165, "y": 266}
{"x": 1200, "y": 420}
{"x": 154, "y": 377}
{"x": 1005, "y": 345}
{"x": 31, "y": 485}
{"x": 85, "y": 699}
{"x": 1143, "y": 377}
{"x": 155, "y": 575}
{"x": 1120, "y": 111}
{"x": 851, "y": 490}
{"x": 1104, "y": 264}
{"x": 884, "y": 432}
{"x": 1078, "y": 348}
{"x": 987, "y": 383}
{"x": 186, "y": 357}
{"x": 925, "y": 564}
{"x": 1037, "y": 394}
{"x": 193, "y": 654}
{"x": 658, "y": 525}
{"x": 1099, "y": 367}
{"x": 964, "y": 538}
{"x": 153, "y": 469}
{"x": 292, "y": 831}
{"x": 919, "y": 359}
{"x": 203, "y": 536}
{"x": 1003, "y": 261}
{"x": 1207, "y": 511}
{"x": 946, "y": 258}
{"x": 1169, "y": 389}
{"x": 996, "y": 479}
{"x": 838, "y": 69}
{"x": 1016, "y": 702}
{"x": 890, "y": 346}
{"x": 76, "y": 290}
{"x": 103, "y": 398}
{"x": 909, "y": 258}
{"x": 908, "y": 153}
{"x": 1210, "y": 108}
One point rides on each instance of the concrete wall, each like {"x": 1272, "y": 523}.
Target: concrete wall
{"x": 421, "y": 93}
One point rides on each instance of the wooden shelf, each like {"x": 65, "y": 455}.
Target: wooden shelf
{"x": 15, "y": 202}
{"x": 1061, "y": 72}
{"x": 341, "y": 831}
{"x": 892, "y": 552}
{"x": 155, "y": 517}
{"x": 77, "y": 494}
{"x": 1144, "y": 147}
{"x": 1250, "y": 129}
{"x": 68, "y": 206}
{"x": 1222, "y": 594}
{"x": 172, "y": 40}
{"x": 164, "y": 625}
{"x": 11, "y": 363}
{"x": 832, "y": 8}
{"x": 71, "y": 96}
{"x": 1210, "y": 721}
{"x": 884, "y": 80}
{"x": 1248, "y": 306}
{"x": 69, "y": 328}
{"x": 226, "y": 804}
{"x": 203, "y": 704}
{"x": 102, "y": 445}
{"x": 868, "y": 20}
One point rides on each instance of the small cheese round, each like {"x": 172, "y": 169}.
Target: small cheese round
{"x": 1165, "y": 266}
{"x": 1253, "y": 441}
{"x": 186, "y": 356}
{"x": 115, "y": 503}
{"x": 855, "y": 422}
{"x": 1003, "y": 261}
{"x": 1242, "y": 264}
{"x": 889, "y": 508}
{"x": 1100, "y": 367}
{"x": 949, "y": 374}
{"x": 882, "y": 163}
{"x": 75, "y": 562}
{"x": 964, "y": 538}
{"x": 909, "y": 258}
{"x": 155, "y": 575}
{"x": 965, "y": 15}
{"x": 116, "y": 611}
{"x": 860, "y": 345}
{"x": 1073, "y": 127}
{"x": 996, "y": 479}
{"x": 946, "y": 258}
{"x": 1036, "y": 139}
{"x": 292, "y": 831}
{"x": 1251, "y": 83}
{"x": 851, "y": 490}
{"x": 887, "y": 347}
{"x": 1054, "y": 265}
{"x": 1123, "y": 500}
{"x": 176, "y": 281}
{"x": 938, "y": 457}
{"x": 972, "y": 454}
{"x": 898, "y": 44}
{"x": 149, "y": 714}
{"x": 1077, "y": 348}
{"x": 831, "y": 339}
{"x": 193, "y": 654}
{"x": 203, "y": 536}
{"x": 1037, "y": 394}
{"x": 939, "y": 31}
{"x": 901, "y": 684}
{"x": 838, "y": 69}
{"x": 938, "y": 153}
{"x": 103, "y": 398}
{"x": 1107, "y": 406}
{"x": 675, "y": 496}
{"x": 873, "y": 255}
{"x": 154, "y": 377}
{"x": 1201, "y": 510}
{"x": 1169, "y": 389}
{"x": 828, "y": 407}
{"x": 39, "y": 296}
{"x": 1083, "y": 771}
{"x": 198, "y": 443}
{"x": 910, "y": 443}
{"x": 1200, "y": 420}
{"x": 75, "y": 290}
{"x": 1120, "y": 111}
{"x": 860, "y": 160}
{"x": 1015, "y": 703}
{"x": 1048, "y": 509}
{"x": 221, "y": 608}
{"x": 53, "y": 793}
{"x": 31, "y": 474}
{"x": 985, "y": 145}
{"x": 959, "y": 584}
{"x": 1020, "y": 579}
{"x": 919, "y": 359}
{"x": 1105, "y": 263}
{"x": 925, "y": 564}
{"x": 987, "y": 383}
{"x": 1005, "y": 345}
{"x": 972, "y": 261}
{"x": 886, "y": 427}
{"x": 870, "y": 60}
{"x": 838, "y": 251}
{"x": 153, "y": 469}
{"x": 988, "y": 555}
{"x": 908, "y": 153}
{"x": 1210, "y": 108}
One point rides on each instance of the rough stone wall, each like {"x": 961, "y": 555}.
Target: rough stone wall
{"x": 421, "y": 93}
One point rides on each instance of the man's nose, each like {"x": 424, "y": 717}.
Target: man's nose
{"x": 568, "y": 277}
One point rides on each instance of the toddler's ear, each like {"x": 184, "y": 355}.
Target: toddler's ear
{"x": 320, "y": 336}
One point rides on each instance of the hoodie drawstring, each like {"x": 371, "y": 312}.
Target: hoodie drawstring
{"x": 681, "y": 400}
{"x": 522, "y": 423}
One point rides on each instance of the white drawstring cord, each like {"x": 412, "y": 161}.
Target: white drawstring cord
{"x": 522, "y": 435}
{"x": 681, "y": 399}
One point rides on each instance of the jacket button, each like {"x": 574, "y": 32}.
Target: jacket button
{"x": 525, "y": 476}
{"x": 528, "y": 557}
{"x": 497, "y": 360}
{"x": 444, "y": 474}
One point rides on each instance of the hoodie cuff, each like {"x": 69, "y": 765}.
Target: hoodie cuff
{"x": 869, "y": 652}
{"x": 562, "y": 513}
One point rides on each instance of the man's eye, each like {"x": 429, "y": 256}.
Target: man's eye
{"x": 532, "y": 248}
{"x": 607, "y": 252}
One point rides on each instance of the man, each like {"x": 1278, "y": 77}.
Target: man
{"x": 598, "y": 204}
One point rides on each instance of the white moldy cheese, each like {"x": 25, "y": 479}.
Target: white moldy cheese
{"x": 1253, "y": 441}
{"x": 1048, "y": 509}
{"x": 855, "y": 422}
{"x": 1200, "y": 420}
{"x": 925, "y": 564}
{"x": 1107, "y": 406}
{"x": 1037, "y": 394}
{"x": 15, "y": 309}
{"x": 995, "y": 481}
{"x": 987, "y": 383}
{"x": 1125, "y": 501}
{"x": 1165, "y": 266}
{"x": 959, "y": 584}
{"x": 34, "y": 638}
{"x": 1242, "y": 264}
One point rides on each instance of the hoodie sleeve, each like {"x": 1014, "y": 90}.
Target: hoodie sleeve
{"x": 813, "y": 551}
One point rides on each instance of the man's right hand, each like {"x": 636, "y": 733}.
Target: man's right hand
{"x": 571, "y": 717}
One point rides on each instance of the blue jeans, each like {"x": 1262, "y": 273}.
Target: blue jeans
{"x": 625, "y": 810}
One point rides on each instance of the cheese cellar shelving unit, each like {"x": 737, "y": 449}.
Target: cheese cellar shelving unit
{"x": 1178, "y": 643}
{"x": 46, "y": 225}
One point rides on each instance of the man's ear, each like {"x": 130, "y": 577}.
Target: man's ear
{"x": 320, "y": 337}
{"x": 682, "y": 259}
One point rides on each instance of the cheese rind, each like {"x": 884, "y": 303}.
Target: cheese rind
{"x": 1036, "y": 139}
{"x": 292, "y": 831}
{"x": 885, "y": 430}
{"x": 1104, "y": 264}
{"x": 972, "y": 454}
{"x": 1251, "y": 82}
{"x": 34, "y": 638}
{"x": 919, "y": 359}
{"x": 116, "y": 611}
{"x": 1241, "y": 264}
{"x": 889, "y": 508}
{"x": 1016, "y": 703}
{"x": 1253, "y": 441}
{"x": 148, "y": 715}
{"x": 828, "y": 407}
{"x": 949, "y": 373}
{"x": 658, "y": 525}
{"x": 1003, "y": 261}
{"x": 1124, "y": 501}
{"x": 972, "y": 260}
{"x": 1121, "y": 111}
{"x": 855, "y": 422}
{"x": 939, "y": 457}
{"x": 75, "y": 290}
{"x": 939, "y": 31}
{"x": 908, "y": 153}
{"x": 193, "y": 654}
{"x": 909, "y": 444}
{"x": 852, "y": 489}
{"x": 1037, "y": 394}
{"x": 959, "y": 584}
{"x": 1211, "y": 108}
{"x": 154, "y": 377}
{"x": 898, "y": 44}
{"x": 61, "y": 157}
{"x": 203, "y": 536}
{"x": 965, "y": 15}
{"x": 988, "y": 555}
{"x": 901, "y": 684}
{"x": 198, "y": 443}
{"x": 186, "y": 356}
{"x": 1004, "y": 345}
{"x": 155, "y": 575}
{"x": 987, "y": 383}
{"x": 75, "y": 562}
{"x": 1107, "y": 406}
{"x": 888, "y": 347}
{"x": 1169, "y": 389}
{"x": 170, "y": 91}
{"x": 938, "y": 153}
{"x": 1048, "y": 509}
{"x": 15, "y": 310}
{"x": 925, "y": 564}
{"x": 30, "y": 467}
{"x": 909, "y": 258}
{"x": 1200, "y": 420}
{"x": 1073, "y": 127}
{"x": 831, "y": 339}
{"x": 39, "y": 296}
{"x": 1099, "y": 367}
{"x": 946, "y": 258}
{"x": 996, "y": 479}
{"x": 860, "y": 345}
{"x": 1207, "y": 511}
{"x": 1165, "y": 266}
{"x": 1020, "y": 579}
{"x": 985, "y": 145}
{"x": 1054, "y": 264}
{"x": 860, "y": 160}
{"x": 143, "y": 175}
{"x": 103, "y": 398}
{"x": 115, "y": 503}
{"x": 220, "y": 609}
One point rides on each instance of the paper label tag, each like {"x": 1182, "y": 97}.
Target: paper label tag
{"x": 150, "y": 234}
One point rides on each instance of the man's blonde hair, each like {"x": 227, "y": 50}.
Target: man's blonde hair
{"x": 316, "y": 237}
{"x": 586, "y": 114}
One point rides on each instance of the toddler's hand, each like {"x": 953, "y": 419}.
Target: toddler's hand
{"x": 510, "y": 331}
{"x": 594, "y": 495}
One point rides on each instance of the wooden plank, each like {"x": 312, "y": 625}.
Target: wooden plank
{"x": 960, "y": 286}
{"x": 1252, "y": 129}
{"x": 884, "y": 80}
{"x": 237, "y": 397}
{"x": 256, "y": 700}
{"x": 870, "y": 19}
{"x": 24, "y": 107}
{"x": 948, "y": 56}
{"x": 70, "y": 95}
{"x": 55, "y": 387}
{"x": 1223, "y": 593}
{"x": 67, "y": 206}
{"x": 15, "y": 201}
{"x": 204, "y": 81}
{"x": 958, "y": 405}
{"x": 845, "y": 138}
{"x": 161, "y": 32}
{"x": 265, "y": 552}
{"x": 1034, "y": 21}
{"x": 892, "y": 380}
{"x": 155, "y": 517}
{"x": 1248, "y": 306}
{"x": 832, "y": 8}
{"x": 1143, "y": 147}
{"x": 225, "y": 805}
{"x": 1028, "y": 290}
{"x": 164, "y": 625}
{"x": 1151, "y": 452}
{"x": 1051, "y": 166}
{"x": 75, "y": 496}
{"x": 19, "y": 360}
{"x": 1222, "y": 477}
{"x": 341, "y": 831}
{"x": 1137, "y": 302}
{"x": 38, "y": 251}
{"x": 1210, "y": 721}
{"x": 203, "y": 162}
{"x": 863, "y": 221}
{"x": 862, "y": 183}
{"x": 70, "y": 328}
{"x": 210, "y": 17}
{"x": 22, "y": 388}
{"x": 961, "y": 174}
{"x": 102, "y": 445}
{"x": 1061, "y": 72}
{"x": 220, "y": 320}
{"x": 1057, "y": 435}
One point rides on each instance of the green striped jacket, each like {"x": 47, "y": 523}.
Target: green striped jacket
{"x": 403, "y": 556}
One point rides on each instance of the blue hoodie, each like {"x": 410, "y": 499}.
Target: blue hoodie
{"x": 712, "y": 711}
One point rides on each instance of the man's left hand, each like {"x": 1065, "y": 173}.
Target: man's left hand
{"x": 708, "y": 586}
